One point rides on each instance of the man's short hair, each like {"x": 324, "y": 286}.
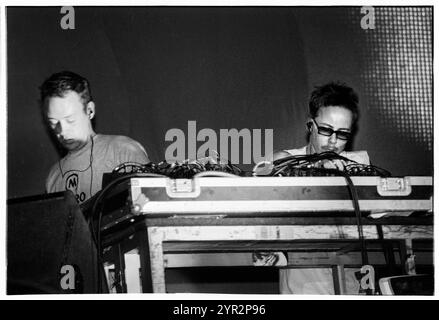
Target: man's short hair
{"x": 334, "y": 94}
{"x": 59, "y": 84}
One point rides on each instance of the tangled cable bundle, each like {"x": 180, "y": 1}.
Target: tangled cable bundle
{"x": 176, "y": 170}
{"x": 317, "y": 165}
{"x": 292, "y": 166}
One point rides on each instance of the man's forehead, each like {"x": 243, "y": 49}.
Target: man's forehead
{"x": 335, "y": 111}
{"x": 336, "y": 116}
{"x": 68, "y": 104}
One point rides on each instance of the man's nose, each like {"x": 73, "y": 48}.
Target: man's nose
{"x": 333, "y": 138}
{"x": 61, "y": 129}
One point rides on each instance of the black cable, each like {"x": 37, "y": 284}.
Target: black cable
{"x": 83, "y": 170}
{"x": 98, "y": 208}
{"x": 300, "y": 165}
{"x": 355, "y": 202}
{"x": 91, "y": 165}
{"x": 186, "y": 170}
{"x": 311, "y": 165}
{"x": 307, "y": 164}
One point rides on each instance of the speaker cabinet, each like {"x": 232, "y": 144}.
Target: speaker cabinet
{"x": 413, "y": 285}
{"x": 50, "y": 248}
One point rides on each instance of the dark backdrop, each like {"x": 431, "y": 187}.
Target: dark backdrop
{"x": 154, "y": 68}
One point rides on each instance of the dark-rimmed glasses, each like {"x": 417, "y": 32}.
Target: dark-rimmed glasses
{"x": 325, "y": 131}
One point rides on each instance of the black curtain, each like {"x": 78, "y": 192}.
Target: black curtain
{"x": 155, "y": 68}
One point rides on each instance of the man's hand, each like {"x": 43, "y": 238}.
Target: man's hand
{"x": 333, "y": 164}
{"x": 269, "y": 259}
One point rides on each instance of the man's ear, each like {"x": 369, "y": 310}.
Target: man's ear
{"x": 90, "y": 109}
{"x": 309, "y": 125}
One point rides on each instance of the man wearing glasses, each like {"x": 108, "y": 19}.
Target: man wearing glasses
{"x": 333, "y": 113}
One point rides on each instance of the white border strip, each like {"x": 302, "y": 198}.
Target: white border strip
{"x": 209, "y": 207}
{"x": 274, "y": 181}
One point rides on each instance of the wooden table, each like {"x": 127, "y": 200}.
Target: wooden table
{"x": 158, "y": 236}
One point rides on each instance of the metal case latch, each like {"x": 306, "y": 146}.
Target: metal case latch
{"x": 394, "y": 187}
{"x": 182, "y": 188}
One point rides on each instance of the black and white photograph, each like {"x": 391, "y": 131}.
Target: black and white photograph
{"x": 276, "y": 151}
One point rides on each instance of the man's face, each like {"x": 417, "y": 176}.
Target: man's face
{"x": 69, "y": 121}
{"x": 335, "y": 118}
